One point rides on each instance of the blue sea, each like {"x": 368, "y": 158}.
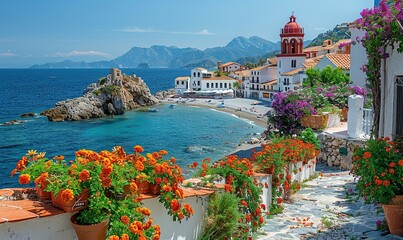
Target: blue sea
{"x": 187, "y": 133}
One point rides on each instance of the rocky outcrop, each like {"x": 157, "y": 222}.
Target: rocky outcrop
{"x": 27, "y": 115}
{"x": 101, "y": 99}
{"x": 161, "y": 95}
{"x": 12, "y": 122}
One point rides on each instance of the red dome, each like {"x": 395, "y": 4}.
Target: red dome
{"x": 292, "y": 26}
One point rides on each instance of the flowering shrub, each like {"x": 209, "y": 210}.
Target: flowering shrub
{"x": 112, "y": 181}
{"x": 383, "y": 28}
{"x": 289, "y": 108}
{"x": 275, "y": 158}
{"x": 379, "y": 169}
{"x": 238, "y": 177}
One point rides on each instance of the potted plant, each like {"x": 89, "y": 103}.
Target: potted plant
{"x": 379, "y": 169}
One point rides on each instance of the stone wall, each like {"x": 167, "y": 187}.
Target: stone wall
{"x": 330, "y": 150}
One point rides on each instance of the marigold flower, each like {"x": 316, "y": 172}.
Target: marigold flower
{"x": 138, "y": 149}
{"x": 133, "y": 228}
{"x": 179, "y": 193}
{"x": 24, "y": 179}
{"x": 228, "y": 188}
{"x": 125, "y": 237}
{"x": 175, "y": 205}
{"x": 67, "y": 195}
{"x": 366, "y": 155}
{"x": 146, "y": 211}
{"x": 139, "y": 166}
{"x": 31, "y": 153}
{"x": 244, "y": 203}
{"x": 156, "y": 237}
{"x": 180, "y": 215}
{"x": 392, "y": 164}
{"x": 133, "y": 187}
{"x": 84, "y": 175}
{"x": 125, "y": 219}
{"x": 113, "y": 237}
{"x": 188, "y": 209}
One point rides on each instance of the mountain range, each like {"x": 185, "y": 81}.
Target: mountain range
{"x": 174, "y": 57}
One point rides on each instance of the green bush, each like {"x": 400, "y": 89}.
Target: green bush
{"x": 309, "y": 136}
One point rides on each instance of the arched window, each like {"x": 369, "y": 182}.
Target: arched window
{"x": 293, "y": 47}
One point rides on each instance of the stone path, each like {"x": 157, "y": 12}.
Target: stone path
{"x": 326, "y": 208}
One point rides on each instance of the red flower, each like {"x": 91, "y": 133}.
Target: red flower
{"x": 401, "y": 162}
{"x": 175, "y": 205}
{"x": 367, "y": 155}
{"x": 138, "y": 149}
{"x": 247, "y": 218}
{"x": 392, "y": 164}
{"x": 24, "y": 179}
{"x": 125, "y": 219}
{"x": 279, "y": 200}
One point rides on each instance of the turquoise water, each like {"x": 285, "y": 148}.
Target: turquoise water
{"x": 187, "y": 133}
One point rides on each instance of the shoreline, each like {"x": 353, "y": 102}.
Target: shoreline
{"x": 230, "y": 108}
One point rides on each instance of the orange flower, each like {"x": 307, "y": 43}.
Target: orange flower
{"x": 107, "y": 170}
{"x": 24, "y": 179}
{"x": 67, "y": 195}
{"x": 175, "y": 205}
{"x": 261, "y": 220}
{"x": 133, "y": 187}
{"x": 401, "y": 162}
{"x": 139, "y": 166}
{"x": 367, "y": 155}
{"x": 179, "y": 193}
{"x": 188, "y": 209}
{"x": 247, "y": 218}
{"x": 146, "y": 211}
{"x": 84, "y": 175}
{"x": 125, "y": 237}
{"x": 386, "y": 183}
{"x": 106, "y": 182}
{"x": 228, "y": 188}
{"x": 134, "y": 229}
{"x": 138, "y": 149}
{"x": 156, "y": 237}
{"x": 148, "y": 224}
{"x": 180, "y": 215}
{"x": 113, "y": 237}
{"x": 125, "y": 219}
{"x": 163, "y": 152}
{"x": 392, "y": 164}
{"x": 243, "y": 202}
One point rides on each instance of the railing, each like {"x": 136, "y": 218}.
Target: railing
{"x": 367, "y": 121}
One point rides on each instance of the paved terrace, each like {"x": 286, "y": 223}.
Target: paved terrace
{"x": 327, "y": 208}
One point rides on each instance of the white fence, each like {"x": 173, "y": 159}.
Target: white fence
{"x": 367, "y": 121}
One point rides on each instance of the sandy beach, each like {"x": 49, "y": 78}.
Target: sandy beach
{"x": 240, "y": 107}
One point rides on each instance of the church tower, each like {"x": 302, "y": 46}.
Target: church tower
{"x": 292, "y": 55}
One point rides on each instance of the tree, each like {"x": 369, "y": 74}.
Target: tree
{"x": 236, "y": 85}
{"x": 328, "y": 76}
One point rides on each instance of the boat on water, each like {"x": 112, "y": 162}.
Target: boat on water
{"x": 153, "y": 110}
{"x": 172, "y": 106}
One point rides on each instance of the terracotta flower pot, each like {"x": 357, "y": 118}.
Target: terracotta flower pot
{"x": 42, "y": 194}
{"x": 78, "y": 203}
{"x": 143, "y": 186}
{"x": 93, "y": 232}
{"x": 315, "y": 121}
{"x": 154, "y": 189}
{"x": 344, "y": 113}
{"x": 394, "y": 215}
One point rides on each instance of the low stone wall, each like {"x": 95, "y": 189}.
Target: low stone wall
{"x": 333, "y": 150}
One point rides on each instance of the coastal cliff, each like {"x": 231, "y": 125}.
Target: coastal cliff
{"x": 111, "y": 95}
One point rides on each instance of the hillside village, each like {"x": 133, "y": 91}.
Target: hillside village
{"x": 284, "y": 72}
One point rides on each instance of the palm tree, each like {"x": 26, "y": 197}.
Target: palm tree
{"x": 236, "y": 85}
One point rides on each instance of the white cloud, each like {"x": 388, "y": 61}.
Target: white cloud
{"x": 76, "y": 53}
{"x": 7, "y": 54}
{"x": 149, "y": 30}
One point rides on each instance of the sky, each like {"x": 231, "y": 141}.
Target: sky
{"x": 40, "y": 31}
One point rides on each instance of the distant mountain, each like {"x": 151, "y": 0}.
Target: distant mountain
{"x": 338, "y": 33}
{"x": 173, "y": 57}
{"x": 208, "y": 64}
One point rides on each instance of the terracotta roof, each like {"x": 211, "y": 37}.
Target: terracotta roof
{"x": 218, "y": 78}
{"x": 311, "y": 62}
{"x": 229, "y": 63}
{"x": 272, "y": 82}
{"x": 272, "y": 61}
{"x": 327, "y": 47}
{"x": 182, "y": 78}
{"x": 244, "y": 73}
{"x": 340, "y": 60}
{"x": 199, "y": 68}
{"x": 291, "y": 73}
{"x": 260, "y": 68}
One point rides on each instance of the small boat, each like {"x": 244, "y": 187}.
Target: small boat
{"x": 172, "y": 106}
{"x": 153, "y": 110}
{"x": 221, "y": 105}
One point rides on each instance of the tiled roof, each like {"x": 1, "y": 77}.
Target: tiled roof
{"x": 340, "y": 60}
{"x": 291, "y": 73}
{"x": 229, "y": 63}
{"x": 272, "y": 61}
{"x": 311, "y": 62}
{"x": 260, "y": 68}
{"x": 327, "y": 47}
{"x": 182, "y": 78}
{"x": 272, "y": 82}
{"x": 244, "y": 73}
{"x": 201, "y": 69}
{"x": 218, "y": 78}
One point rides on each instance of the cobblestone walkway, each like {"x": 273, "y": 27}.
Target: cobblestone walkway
{"x": 327, "y": 208}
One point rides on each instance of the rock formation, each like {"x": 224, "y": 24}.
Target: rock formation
{"x": 111, "y": 95}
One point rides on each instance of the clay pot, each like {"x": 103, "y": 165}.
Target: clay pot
{"x": 315, "y": 121}
{"x": 344, "y": 114}
{"x": 154, "y": 189}
{"x": 42, "y": 194}
{"x": 93, "y": 232}
{"x": 78, "y": 203}
{"x": 394, "y": 215}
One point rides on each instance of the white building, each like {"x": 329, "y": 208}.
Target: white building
{"x": 230, "y": 67}
{"x": 341, "y": 46}
{"x": 243, "y": 78}
{"x": 335, "y": 60}
{"x": 181, "y": 85}
{"x": 258, "y": 76}
{"x": 204, "y": 83}
{"x": 358, "y": 59}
